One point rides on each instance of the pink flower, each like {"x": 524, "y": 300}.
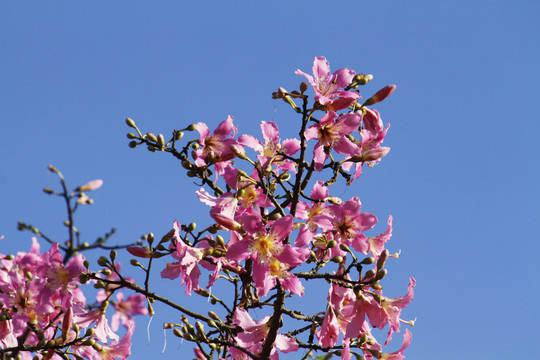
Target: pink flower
{"x": 125, "y": 309}
{"x": 327, "y": 85}
{"x": 263, "y": 246}
{"x": 102, "y": 330}
{"x": 331, "y": 135}
{"x": 348, "y": 224}
{"x": 215, "y": 147}
{"x": 188, "y": 260}
{"x": 116, "y": 350}
{"x": 317, "y": 215}
{"x": 269, "y": 152}
{"x": 254, "y": 334}
{"x": 377, "y": 242}
{"x": 328, "y": 333}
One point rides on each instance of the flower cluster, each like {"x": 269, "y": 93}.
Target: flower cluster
{"x": 43, "y": 309}
{"x": 269, "y": 239}
{"x": 275, "y": 234}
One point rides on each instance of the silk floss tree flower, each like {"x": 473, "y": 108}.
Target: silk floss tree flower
{"x": 272, "y": 258}
{"x": 327, "y": 85}
{"x": 331, "y": 134}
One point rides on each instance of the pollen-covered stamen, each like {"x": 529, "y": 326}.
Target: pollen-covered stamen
{"x": 277, "y": 268}
{"x": 264, "y": 246}
{"x": 346, "y": 227}
{"x": 57, "y": 277}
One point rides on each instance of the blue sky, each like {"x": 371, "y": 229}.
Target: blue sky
{"x": 461, "y": 180}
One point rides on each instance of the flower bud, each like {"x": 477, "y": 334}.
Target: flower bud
{"x": 160, "y": 140}
{"x": 380, "y": 274}
{"x": 192, "y": 226}
{"x": 134, "y": 262}
{"x": 89, "y": 342}
{"x": 331, "y": 244}
{"x": 48, "y": 191}
{"x": 191, "y": 127}
{"x": 177, "y": 332}
{"x": 139, "y": 251}
{"x": 151, "y": 137}
{"x": 214, "y": 316}
{"x": 381, "y": 95}
{"x": 375, "y": 153}
{"x": 220, "y": 240}
{"x": 200, "y": 329}
{"x": 274, "y": 216}
{"x": 132, "y": 144}
{"x": 186, "y": 164}
{"x": 303, "y": 87}
{"x": 131, "y": 123}
{"x": 369, "y": 274}
{"x": 213, "y": 324}
{"x": 367, "y": 261}
{"x": 178, "y": 135}
{"x": 131, "y": 136}
{"x": 376, "y": 286}
{"x": 337, "y": 259}
{"x": 103, "y": 261}
{"x": 382, "y": 259}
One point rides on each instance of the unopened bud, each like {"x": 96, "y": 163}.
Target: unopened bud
{"x": 220, "y": 240}
{"x": 331, "y": 244}
{"x": 337, "y": 259}
{"x": 200, "y": 329}
{"x": 151, "y": 137}
{"x": 177, "y": 332}
{"x": 368, "y": 260}
{"x": 112, "y": 255}
{"x": 344, "y": 247}
{"x": 274, "y": 216}
{"x": 369, "y": 274}
{"x": 160, "y": 140}
{"x": 334, "y": 200}
{"x": 381, "y": 95}
{"x": 178, "y": 135}
{"x": 380, "y": 274}
{"x": 191, "y": 127}
{"x": 186, "y": 164}
{"x": 303, "y": 87}
{"x": 48, "y": 191}
{"x": 132, "y": 144}
{"x": 151, "y": 148}
{"x": 89, "y": 342}
{"x": 214, "y": 316}
{"x": 134, "y": 262}
{"x": 192, "y": 226}
{"x": 131, "y": 136}
{"x": 130, "y": 123}
{"x": 376, "y": 286}
{"x": 102, "y": 261}
{"x": 382, "y": 259}
{"x": 106, "y": 272}
{"x": 375, "y": 153}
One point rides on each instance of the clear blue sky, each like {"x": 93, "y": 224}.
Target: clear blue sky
{"x": 461, "y": 180}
